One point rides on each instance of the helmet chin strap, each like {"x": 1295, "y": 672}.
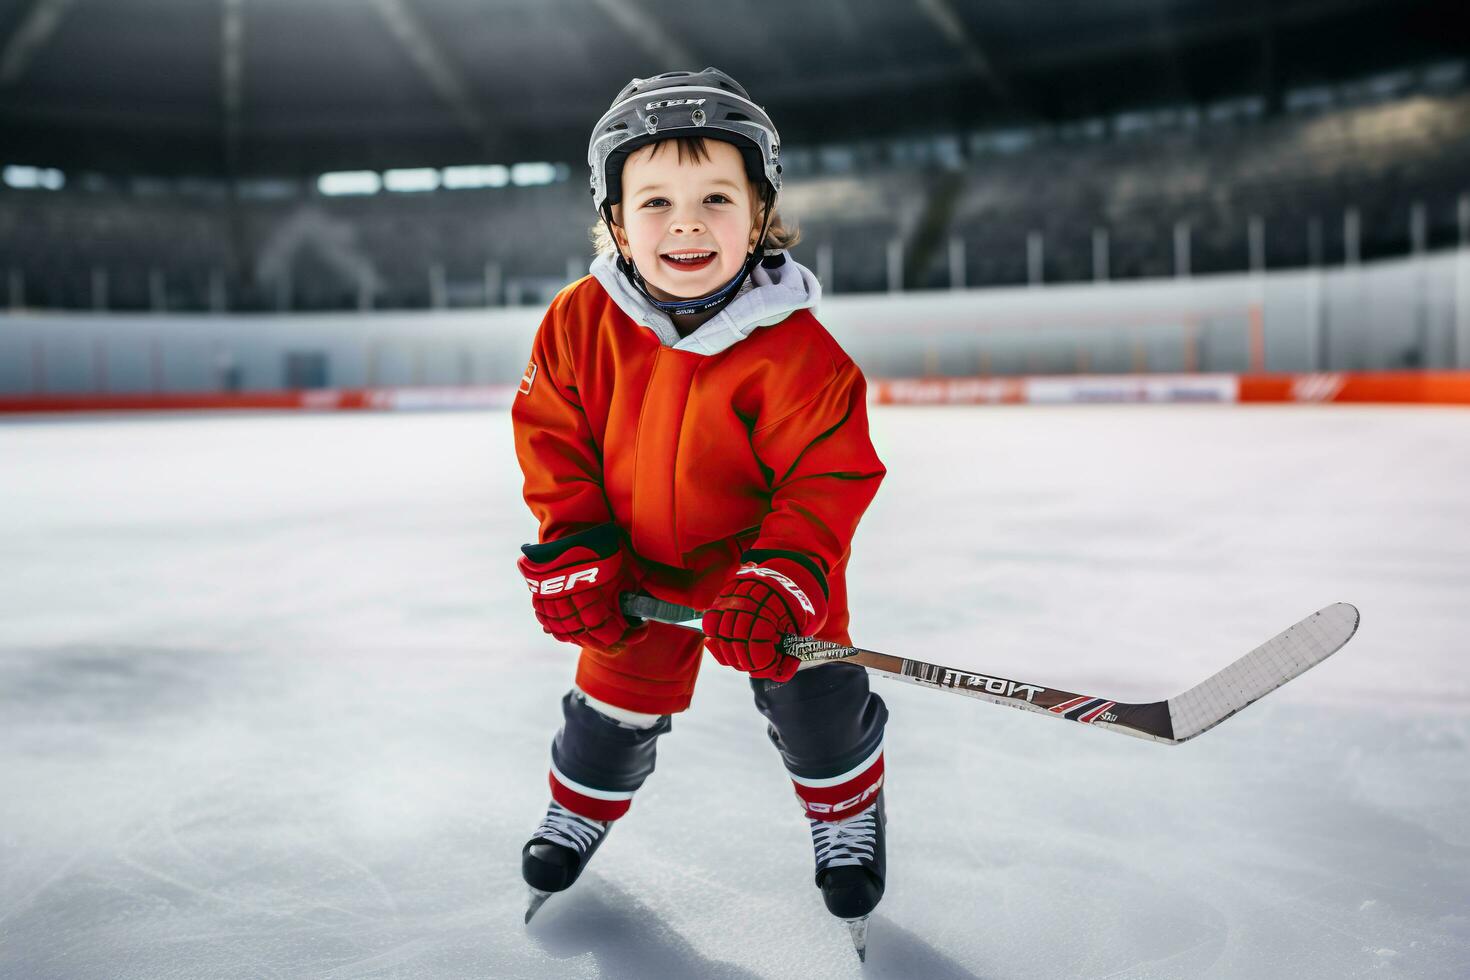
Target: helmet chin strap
{"x": 714, "y": 301}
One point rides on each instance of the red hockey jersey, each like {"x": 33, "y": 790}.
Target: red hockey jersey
{"x": 751, "y": 432}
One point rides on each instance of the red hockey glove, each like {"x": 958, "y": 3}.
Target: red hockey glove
{"x": 575, "y": 583}
{"x": 773, "y": 593}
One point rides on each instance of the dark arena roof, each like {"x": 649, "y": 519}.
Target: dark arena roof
{"x": 294, "y": 87}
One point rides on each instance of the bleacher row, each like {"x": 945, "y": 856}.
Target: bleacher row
{"x": 1299, "y": 176}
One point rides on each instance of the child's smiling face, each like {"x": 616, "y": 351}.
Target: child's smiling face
{"x": 671, "y": 208}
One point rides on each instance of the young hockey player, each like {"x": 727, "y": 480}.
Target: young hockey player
{"x": 689, "y": 430}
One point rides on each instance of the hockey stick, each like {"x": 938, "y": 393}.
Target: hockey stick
{"x": 1182, "y": 717}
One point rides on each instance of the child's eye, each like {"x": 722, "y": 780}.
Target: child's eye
{"x": 718, "y": 199}
{"x": 655, "y": 202}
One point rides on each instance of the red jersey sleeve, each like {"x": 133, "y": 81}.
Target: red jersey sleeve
{"x": 558, "y": 454}
{"x": 824, "y": 470}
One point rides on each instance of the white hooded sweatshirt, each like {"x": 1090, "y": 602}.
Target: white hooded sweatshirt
{"x": 766, "y": 298}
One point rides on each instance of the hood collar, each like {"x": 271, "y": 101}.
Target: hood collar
{"x": 767, "y": 297}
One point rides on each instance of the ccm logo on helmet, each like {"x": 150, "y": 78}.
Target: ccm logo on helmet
{"x": 670, "y": 103}
{"x": 562, "y": 583}
{"x": 781, "y": 580}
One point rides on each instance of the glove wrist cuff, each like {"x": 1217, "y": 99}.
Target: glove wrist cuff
{"x": 763, "y": 555}
{"x": 603, "y": 541}
{"x": 801, "y": 586}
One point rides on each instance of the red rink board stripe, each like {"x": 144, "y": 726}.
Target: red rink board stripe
{"x": 1335, "y": 387}
{"x": 295, "y": 400}
{"x": 1372, "y": 387}
{"x": 1364, "y": 387}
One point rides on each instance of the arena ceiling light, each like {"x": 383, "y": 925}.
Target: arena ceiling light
{"x": 409, "y": 181}
{"x": 33, "y": 178}
{"x": 349, "y": 182}
{"x": 487, "y": 175}
{"x": 528, "y": 174}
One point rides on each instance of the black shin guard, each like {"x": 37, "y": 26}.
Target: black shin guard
{"x": 826, "y": 724}
{"x": 597, "y": 763}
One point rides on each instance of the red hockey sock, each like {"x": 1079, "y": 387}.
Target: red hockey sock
{"x": 845, "y": 795}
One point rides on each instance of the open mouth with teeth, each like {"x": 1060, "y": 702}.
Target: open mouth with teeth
{"x": 687, "y": 259}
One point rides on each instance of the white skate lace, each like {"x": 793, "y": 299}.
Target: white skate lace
{"x": 847, "y": 841}
{"x": 562, "y": 826}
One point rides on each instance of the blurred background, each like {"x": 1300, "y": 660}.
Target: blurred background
{"x": 234, "y": 196}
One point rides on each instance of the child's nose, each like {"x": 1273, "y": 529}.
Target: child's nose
{"x": 686, "y": 219}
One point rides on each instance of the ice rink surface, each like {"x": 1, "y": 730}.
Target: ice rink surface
{"x": 273, "y": 704}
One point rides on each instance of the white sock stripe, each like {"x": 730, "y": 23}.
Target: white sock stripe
{"x": 851, "y": 774}
{"x": 596, "y": 794}
{"x": 637, "y": 719}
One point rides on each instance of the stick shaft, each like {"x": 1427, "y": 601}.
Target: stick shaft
{"x": 1150, "y": 721}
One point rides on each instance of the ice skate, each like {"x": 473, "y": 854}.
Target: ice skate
{"x": 851, "y": 865}
{"x": 558, "y": 851}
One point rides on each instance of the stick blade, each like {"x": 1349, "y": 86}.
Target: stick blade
{"x": 1285, "y": 656}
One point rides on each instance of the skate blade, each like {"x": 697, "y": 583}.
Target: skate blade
{"x": 538, "y": 899}
{"x": 858, "y": 928}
